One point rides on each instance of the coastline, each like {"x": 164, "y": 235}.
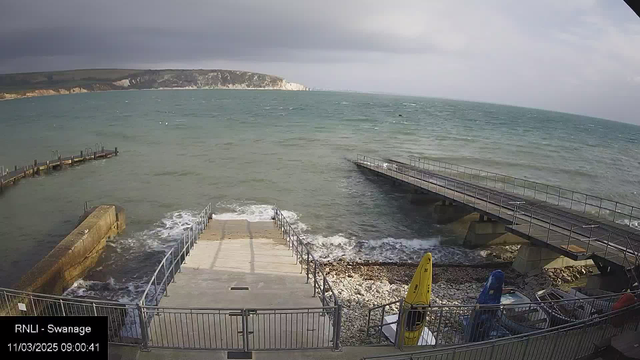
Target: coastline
{"x": 56, "y": 92}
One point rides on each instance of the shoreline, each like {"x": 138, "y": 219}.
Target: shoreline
{"x": 56, "y": 92}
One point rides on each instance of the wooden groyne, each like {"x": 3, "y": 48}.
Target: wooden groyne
{"x": 38, "y": 168}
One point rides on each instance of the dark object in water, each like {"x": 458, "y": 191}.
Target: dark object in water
{"x": 400, "y": 115}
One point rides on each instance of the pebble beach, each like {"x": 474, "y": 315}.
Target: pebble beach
{"x": 360, "y": 286}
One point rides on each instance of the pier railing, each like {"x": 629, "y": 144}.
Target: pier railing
{"x": 172, "y": 262}
{"x": 528, "y": 220}
{"x": 566, "y": 342}
{"x": 460, "y": 324}
{"x": 611, "y": 210}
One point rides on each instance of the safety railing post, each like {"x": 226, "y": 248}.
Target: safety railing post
{"x": 245, "y": 330}
{"x": 315, "y": 277}
{"x": 438, "y": 333}
{"x": 324, "y": 293}
{"x": 144, "y": 345}
{"x": 571, "y": 203}
{"x": 570, "y": 235}
{"x": 337, "y": 318}
{"x": 308, "y": 266}
{"x": 399, "y": 338}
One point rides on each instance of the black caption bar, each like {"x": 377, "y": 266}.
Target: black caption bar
{"x": 47, "y": 337}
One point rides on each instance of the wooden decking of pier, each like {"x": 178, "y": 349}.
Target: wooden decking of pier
{"x": 10, "y": 177}
{"x": 573, "y": 234}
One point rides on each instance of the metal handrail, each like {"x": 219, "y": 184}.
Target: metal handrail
{"x": 472, "y": 198}
{"x": 300, "y": 249}
{"x": 539, "y": 188}
{"x": 443, "y": 314}
{"x": 578, "y": 325}
{"x": 504, "y": 306}
{"x": 172, "y": 261}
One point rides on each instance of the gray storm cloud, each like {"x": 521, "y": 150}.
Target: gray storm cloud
{"x": 579, "y": 56}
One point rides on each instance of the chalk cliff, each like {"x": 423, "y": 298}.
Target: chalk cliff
{"x": 14, "y": 86}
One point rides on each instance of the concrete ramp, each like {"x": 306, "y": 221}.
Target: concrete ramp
{"x": 239, "y": 267}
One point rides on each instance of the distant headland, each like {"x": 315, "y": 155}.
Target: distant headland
{"x": 14, "y": 86}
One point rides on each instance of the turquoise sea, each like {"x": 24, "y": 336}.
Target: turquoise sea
{"x": 245, "y": 151}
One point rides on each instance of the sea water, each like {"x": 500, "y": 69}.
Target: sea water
{"x": 246, "y": 151}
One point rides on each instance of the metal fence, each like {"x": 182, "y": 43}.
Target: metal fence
{"x": 566, "y": 342}
{"x": 124, "y": 319}
{"x": 321, "y": 285}
{"x": 448, "y": 325}
{"x": 172, "y": 262}
{"x": 526, "y": 219}
{"x": 243, "y": 329}
{"x": 597, "y": 206}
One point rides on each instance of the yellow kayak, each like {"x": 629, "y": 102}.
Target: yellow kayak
{"x": 419, "y": 293}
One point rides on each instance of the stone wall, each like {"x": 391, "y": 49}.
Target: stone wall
{"x": 74, "y": 256}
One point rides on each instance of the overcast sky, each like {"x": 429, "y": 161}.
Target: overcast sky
{"x": 579, "y": 56}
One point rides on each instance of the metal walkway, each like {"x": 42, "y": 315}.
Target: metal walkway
{"x": 534, "y": 214}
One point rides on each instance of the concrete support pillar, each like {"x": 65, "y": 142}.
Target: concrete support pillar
{"x": 446, "y": 212}
{"x": 485, "y": 232}
{"x": 533, "y": 258}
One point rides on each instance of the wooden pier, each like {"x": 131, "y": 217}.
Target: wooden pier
{"x": 39, "y": 168}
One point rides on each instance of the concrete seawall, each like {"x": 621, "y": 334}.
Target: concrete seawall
{"x": 76, "y": 254}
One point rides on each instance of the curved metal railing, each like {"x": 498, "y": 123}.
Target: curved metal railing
{"x": 172, "y": 262}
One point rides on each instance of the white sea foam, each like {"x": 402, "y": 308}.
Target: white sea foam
{"x": 392, "y": 250}
{"x": 164, "y": 234}
{"x": 634, "y": 223}
{"x": 256, "y": 212}
{"x": 384, "y": 250}
{"x": 107, "y": 290}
